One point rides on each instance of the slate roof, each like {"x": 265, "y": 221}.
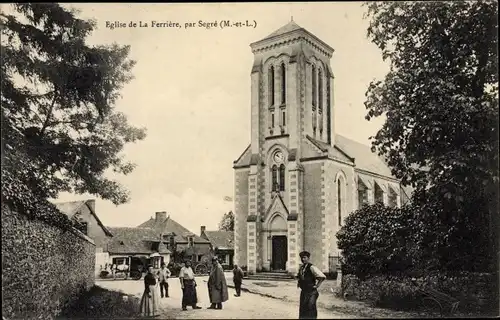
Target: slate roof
{"x": 171, "y": 226}
{"x": 364, "y": 158}
{"x": 70, "y": 208}
{"x": 289, "y": 27}
{"x": 357, "y": 153}
{"x": 135, "y": 240}
{"x": 221, "y": 239}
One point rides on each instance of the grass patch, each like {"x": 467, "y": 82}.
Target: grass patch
{"x": 99, "y": 303}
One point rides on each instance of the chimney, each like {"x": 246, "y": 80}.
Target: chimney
{"x": 91, "y": 204}
{"x": 202, "y": 229}
{"x": 161, "y": 216}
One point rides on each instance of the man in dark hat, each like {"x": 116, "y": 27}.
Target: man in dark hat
{"x": 310, "y": 278}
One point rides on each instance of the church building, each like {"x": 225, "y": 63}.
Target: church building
{"x": 298, "y": 180}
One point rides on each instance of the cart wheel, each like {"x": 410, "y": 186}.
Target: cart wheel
{"x": 201, "y": 269}
{"x": 136, "y": 275}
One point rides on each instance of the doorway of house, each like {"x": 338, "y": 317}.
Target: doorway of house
{"x": 279, "y": 253}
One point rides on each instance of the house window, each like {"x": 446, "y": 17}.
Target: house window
{"x": 283, "y": 118}
{"x": 191, "y": 241}
{"x": 282, "y": 177}
{"x": 272, "y": 120}
{"x": 156, "y": 262}
{"x": 224, "y": 259}
{"x": 119, "y": 261}
{"x": 171, "y": 244}
{"x": 283, "y": 84}
{"x": 271, "y": 86}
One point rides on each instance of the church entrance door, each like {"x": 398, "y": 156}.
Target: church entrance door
{"x": 279, "y": 252}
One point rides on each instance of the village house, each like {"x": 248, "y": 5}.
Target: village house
{"x": 158, "y": 240}
{"x": 134, "y": 247}
{"x": 221, "y": 245}
{"x": 297, "y": 180}
{"x": 184, "y": 244}
{"x": 83, "y": 213}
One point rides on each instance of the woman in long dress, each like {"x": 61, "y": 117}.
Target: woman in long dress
{"x": 188, "y": 286}
{"x": 150, "y": 298}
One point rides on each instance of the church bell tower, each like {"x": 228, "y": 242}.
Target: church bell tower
{"x": 291, "y": 106}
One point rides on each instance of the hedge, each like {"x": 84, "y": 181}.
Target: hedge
{"x": 44, "y": 267}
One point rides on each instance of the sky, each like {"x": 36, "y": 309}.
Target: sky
{"x": 192, "y": 92}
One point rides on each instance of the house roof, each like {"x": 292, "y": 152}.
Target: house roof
{"x": 135, "y": 240}
{"x": 221, "y": 239}
{"x": 72, "y": 207}
{"x": 171, "y": 226}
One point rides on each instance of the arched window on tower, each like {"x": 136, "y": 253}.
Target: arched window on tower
{"x": 283, "y": 84}
{"x": 339, "y": 201}
{"x": 274, "y": 182}
{"x": 314, "y": 89}
{"x": 320, "y": 94}
{"x": 271, "y": 86}
{"x": 282, "y": 177}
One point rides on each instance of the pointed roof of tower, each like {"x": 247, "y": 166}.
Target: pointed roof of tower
{"x": 292, "y": 28}
{"x": 289, "y": 27}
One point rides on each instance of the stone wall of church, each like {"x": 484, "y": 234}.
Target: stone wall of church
{"x": 240, "y": 212}
{"x": 313, "y": 218}
{"x": 345, "y": 173}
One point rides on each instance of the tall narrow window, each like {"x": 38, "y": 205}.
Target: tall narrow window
{"x": 314, "y": 92}
{"x": 283, "y": 84}
{"x": 339, "y": 201}
{"x": 320, "y": 95}
{"x": 283, "y": 118}
{"x": 271, "y": 86}
{"x": 362, "y": 194}
{"x": 282, "y": 177}
{"x": 275, "y": 178}
{"x": 272, "y": 120}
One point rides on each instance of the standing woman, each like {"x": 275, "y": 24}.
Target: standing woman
{"x": 150, "y": 298}
{"x": 188, "y": 286}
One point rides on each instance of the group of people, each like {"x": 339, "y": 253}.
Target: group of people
{"x": 217, "y": 287}
{"x": 309, "y": 280}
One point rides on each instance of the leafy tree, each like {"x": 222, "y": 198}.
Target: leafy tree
{"x": 441, "y": 103}
{"x": 227, "y": 222}
{"x": 379, "y": 240}
{"x": 60, "y": 129}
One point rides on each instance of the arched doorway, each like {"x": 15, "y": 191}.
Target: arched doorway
{"x": 279, "y": 243}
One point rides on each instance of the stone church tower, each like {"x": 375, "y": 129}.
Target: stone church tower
{"x": 297, "y": 180}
